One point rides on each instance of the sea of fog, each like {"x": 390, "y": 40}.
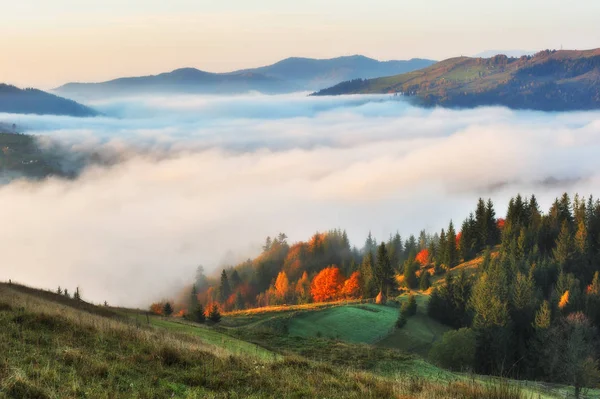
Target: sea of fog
{"x": 203, "y": 180}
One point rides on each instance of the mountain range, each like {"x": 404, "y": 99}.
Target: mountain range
{"x": 289, "y": 75}
{"x": 549, "y": 80}
{"x": 32, "y": 101}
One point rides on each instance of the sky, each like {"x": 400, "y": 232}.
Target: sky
{"x": 205, "y": 179}
{"x": 48, "y": 43}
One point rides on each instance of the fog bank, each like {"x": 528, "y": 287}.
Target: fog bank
{"x": 192, "y": 178}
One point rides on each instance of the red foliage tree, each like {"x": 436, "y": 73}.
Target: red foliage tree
{"x": 327, "y": 285}
{"x": 351, "y": 289}
{"x": 423, "y": 257}
{"x": 500, "y": 223}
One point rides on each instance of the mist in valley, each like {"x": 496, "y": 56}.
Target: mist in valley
{"x": 169, "y": 183}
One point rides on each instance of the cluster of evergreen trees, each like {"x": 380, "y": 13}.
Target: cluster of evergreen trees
{"x": 533, "y": 307}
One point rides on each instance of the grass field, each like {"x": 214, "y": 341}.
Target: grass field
{"x": 419, "y": 333}
{"x": 364, "y": 323}
{"x": 206, "y": 335}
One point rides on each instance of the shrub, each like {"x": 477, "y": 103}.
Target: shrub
{"x": 456, "y": 350}
{"x": 401, "y": 322}
{"x": 409, "y": 308}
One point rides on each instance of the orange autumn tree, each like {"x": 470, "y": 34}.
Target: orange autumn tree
{"x": 327, "y": 285}
{"x": 351, "y": 289}
{"x": 282, "y": 286}
{"x": 423, "y": 257}
{"x": 157, "y": 308}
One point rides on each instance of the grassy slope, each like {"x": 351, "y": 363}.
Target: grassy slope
{"x": 48, "y": 349}
{"x": 52, "y": 347}
{"x": 55, "y": 347}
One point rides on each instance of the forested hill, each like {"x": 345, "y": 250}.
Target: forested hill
{"x": 531, "y": 300}
{"x": 21, "y": 156}
{"x": 32, "y": 101}
{"x": 549, "y": 81}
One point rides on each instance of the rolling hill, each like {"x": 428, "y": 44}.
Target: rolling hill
{"x": 549, "y": 81}
{"x": 56, "y": 346}
{"x": 289, "y": 75}
{"x": 14, "y": 100}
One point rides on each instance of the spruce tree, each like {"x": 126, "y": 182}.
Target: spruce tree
{"x": 214, "y": 315}
{"x": 239, "y": 301}
{"x": 563, "y": 252}
{"x": 77, "y": 295}
{"x": 193, "y": 298}
{"x": 384, "y": 274}
{"x": 199, "y": 315}
{"x": 224, "y": 288}
{"x": 451, "y": 251}
{"x": 367, "y": 271}
{"x": 59, "y": 290}
{"x": 425, "y": 281}
{"x": 167, "y": 309}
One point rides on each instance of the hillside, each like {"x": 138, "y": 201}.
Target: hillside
{"x": 53, "y": 346}
{"x": 21, "y": 156}
{"x": 32, "y": 101}
{"x": 549, "y": 80}
{"x": 289, "y": 75}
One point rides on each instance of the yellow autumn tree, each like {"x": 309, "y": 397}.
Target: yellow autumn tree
{"x": 564, "y": 300}
{"x": 282, "y": 286}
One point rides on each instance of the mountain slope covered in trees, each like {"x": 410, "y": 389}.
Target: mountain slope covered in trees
{"x": 549, "y": 80}
{"x": 289, "y": 75}
{"x": 32, "y": 101}
{"x": 529, "y": 309}
{"x": 21, "y": 156}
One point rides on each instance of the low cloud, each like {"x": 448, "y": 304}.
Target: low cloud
{"x": 193, "y": 180}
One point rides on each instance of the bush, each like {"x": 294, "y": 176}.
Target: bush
{"x": 409, "y": 308}
{"x": 401, "y": 322}
{"x": 424, "y": 281}
{"x": 456, "y": 350}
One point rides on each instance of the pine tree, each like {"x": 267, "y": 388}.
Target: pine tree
{"x": 451, "y": 251}
{"x": 193, "y": 298}
{"x": 493, "y": 234}
{"x": 214, "y": 315}
{"x": 235, "y": 280}
{"x": 481, "y": 225}
{"x": 425, "y": 281}
{"x": 167, "y": 309}
{"x": 384, "y": 274}
{"x": 66, "y": 292}
{"x": 563, "y": 253}
{"x": 59, "y": 291}
{"x": 77, "y": 295}
{"x": 367, "y": 270}
{"x": 410, "y": 274}
{"x": 239, "y": 301}
{"x": 224, "y": 288}
{"x": 199, "y": 315}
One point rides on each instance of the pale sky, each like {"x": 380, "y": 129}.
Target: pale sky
{"x": 45, "y": 43}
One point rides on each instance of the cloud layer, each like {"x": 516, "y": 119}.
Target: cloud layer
{"x": 197, "y": 178}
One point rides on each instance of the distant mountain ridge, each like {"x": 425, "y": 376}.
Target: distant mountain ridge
{"x": 288, "y": 75}
{"x": 32, "y": 101}
{"x": 550, "y": 81}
